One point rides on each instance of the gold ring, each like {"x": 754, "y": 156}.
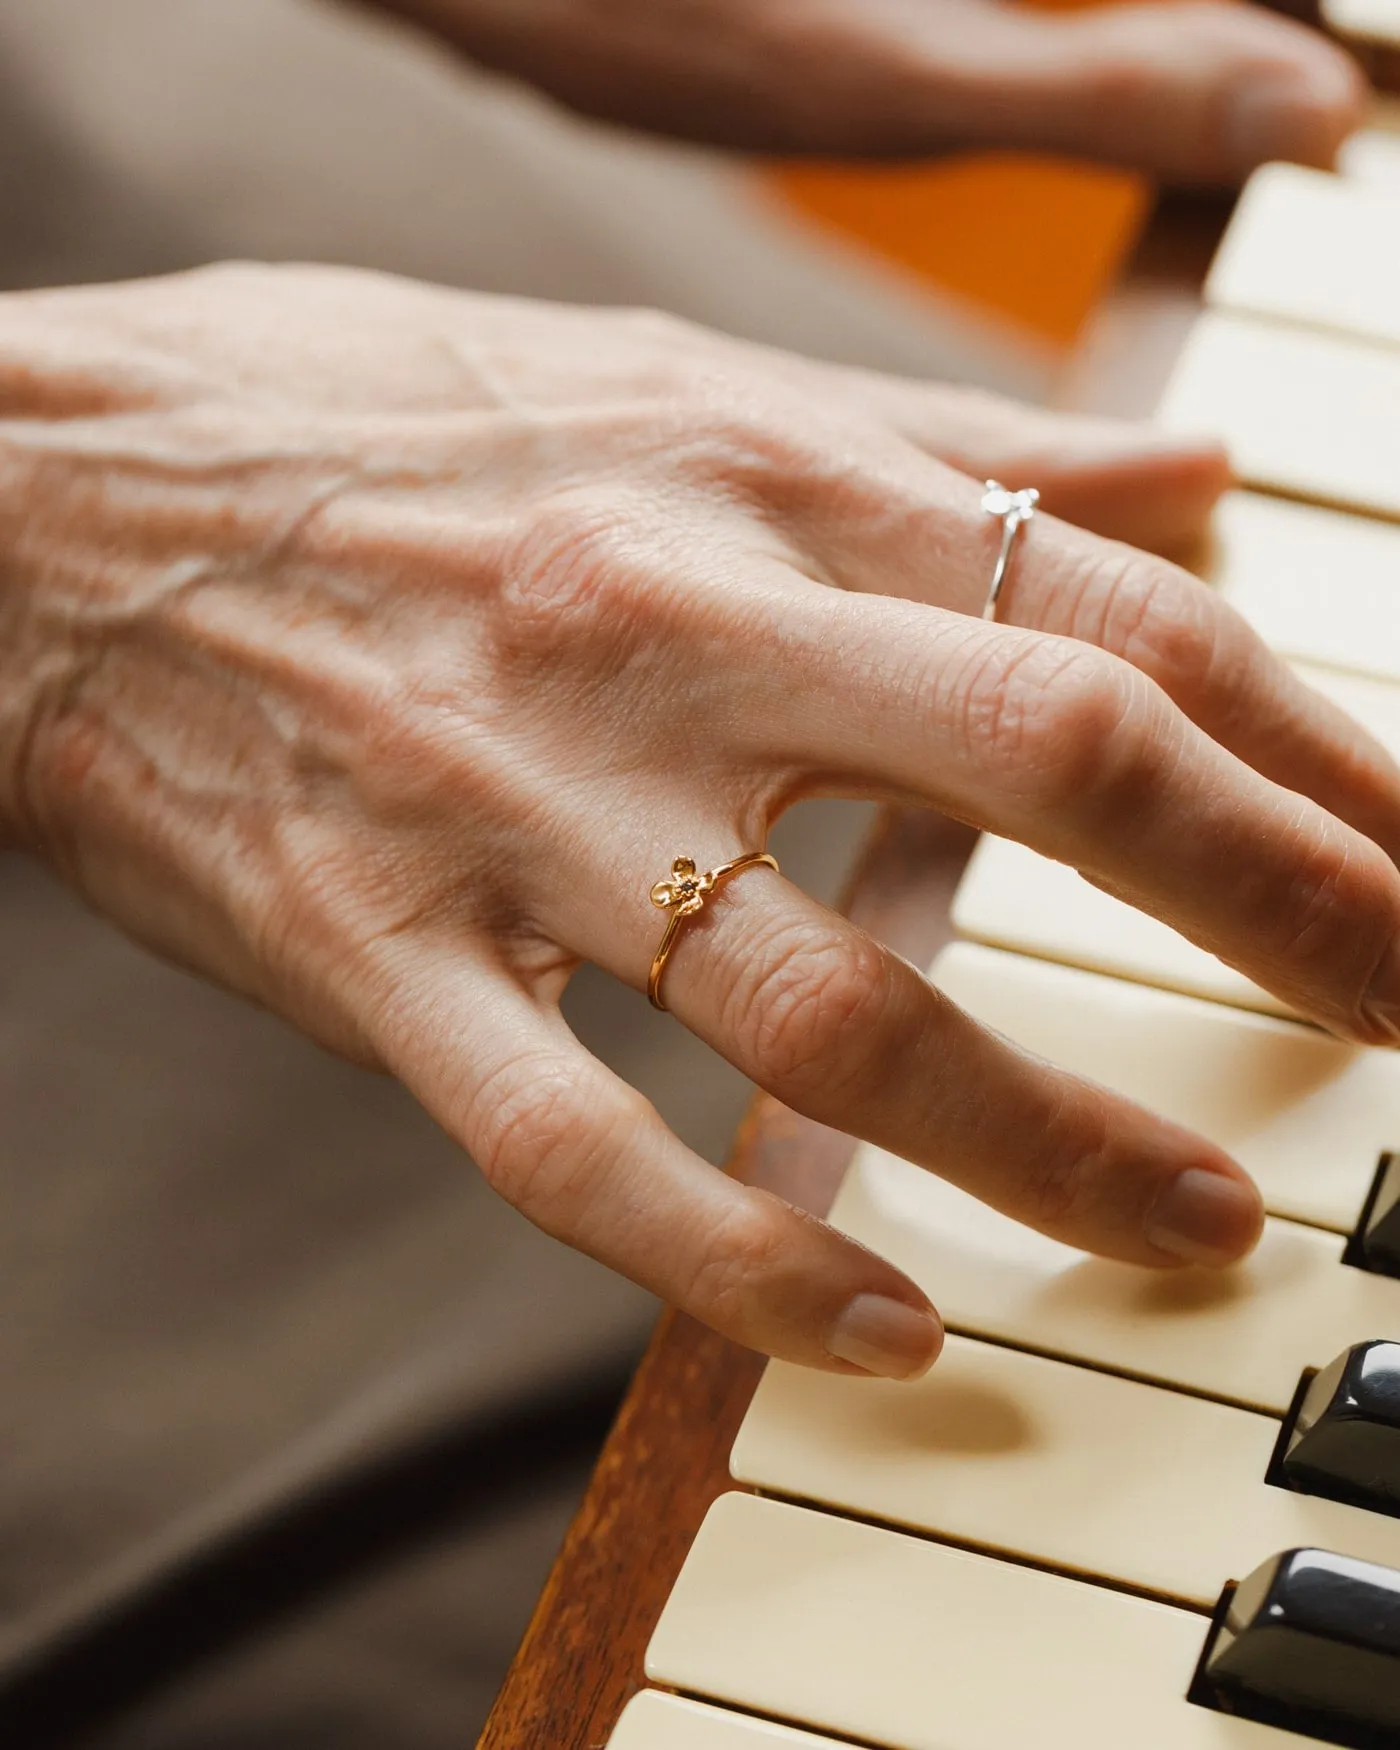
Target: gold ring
{"x": 683, "y": 896}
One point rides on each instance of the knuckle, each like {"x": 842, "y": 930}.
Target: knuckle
{"x": 1070, "y": 1156}
{"x": 747, "y": 436}
{"x": 541, "y": 1138}
{"x": 1337, "y": 914}
{"x": 572, "y": 576}
{"x": 1064, "y": 726}
{"x": 1171, "y": 626}
{"x": 1154, "y": 613}
{"x": 749, "y": 1250}
{"x": 805, "y": 1000}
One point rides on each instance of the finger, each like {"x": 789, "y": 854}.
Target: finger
{"x": 1194, "y": 93}
{"x": 839, "y": 1028}
{"x": 587, "y": 1159}
{"x": 1213, "y": 665}
{"x": 900, "y": 526}
{"x": 1198, "y": 92}
{"x": 1120, "y": 478}
{"x": 1079, "y": 755}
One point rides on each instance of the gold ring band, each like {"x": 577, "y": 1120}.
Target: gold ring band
{"x": 683, "y": 896}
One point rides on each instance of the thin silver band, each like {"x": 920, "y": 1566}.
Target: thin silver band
{"x": 1014, "y": 509}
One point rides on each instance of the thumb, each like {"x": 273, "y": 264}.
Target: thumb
{"x": 1195, "y": 92}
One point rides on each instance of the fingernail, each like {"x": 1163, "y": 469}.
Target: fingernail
{"x": 1290, "y": 114}
{"x": 1381, "y": 1005}
{"x": 1205, "y": 1218}
{"x": 886, "y": 1337}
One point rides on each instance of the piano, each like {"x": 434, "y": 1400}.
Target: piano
{"x": 1126, "y": 1511}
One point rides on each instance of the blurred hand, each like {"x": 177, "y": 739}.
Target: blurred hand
{"x": 372, "y": 649}
{"x": 1198, "y": 91}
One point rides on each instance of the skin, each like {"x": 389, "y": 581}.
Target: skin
{"x": 371, "y": 649}
{"x": 1197, "y": 92}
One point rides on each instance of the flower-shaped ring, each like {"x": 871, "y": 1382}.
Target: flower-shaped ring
{"x": 683, "y": 896}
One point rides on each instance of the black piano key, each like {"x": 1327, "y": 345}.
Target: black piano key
{"x": 1311, "y": 1641}
{"x": 1344, "y": 1438}
{"x": 1378, "y": 1241}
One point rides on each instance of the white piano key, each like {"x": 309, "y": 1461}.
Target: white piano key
{"x": 1306, "y": 1114}
{"x": 1375, "y": 704}
{"x": 654, "y": 1720}
{"x": 1305, "y": 246}
{"x": 1034, "y": 1457}
{"x": 1372, "y": 154}
{"x": 897, "y": 1641}
{"x": 1244, "y": 1335}
{"x": 1315, "y": 415}
{"x": 1014, "y": 898}
{"x": 1367, "y": 21}
{"x": 1319, "y": 585}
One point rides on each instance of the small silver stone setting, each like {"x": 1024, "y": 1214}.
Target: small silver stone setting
{"x": 1000, "y": 501}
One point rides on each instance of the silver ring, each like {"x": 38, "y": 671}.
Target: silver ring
{"x": 1014, "y": 509}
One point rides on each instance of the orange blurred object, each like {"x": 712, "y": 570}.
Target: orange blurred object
{"x": 1034, "y": 241}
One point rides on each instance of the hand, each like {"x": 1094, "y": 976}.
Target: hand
{"x": 1200, "y": 92}
{"x": 372, "y": 649}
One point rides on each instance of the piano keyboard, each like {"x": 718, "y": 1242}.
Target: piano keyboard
{"x": 1311, "y": 414}
{"x": 1072, "y": 1534}
{"x": 895, "y": 1640}
{"x": 1348, "y": 278}
{"x": 1001, "y": 1450}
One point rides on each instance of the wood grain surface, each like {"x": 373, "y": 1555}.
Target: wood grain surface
{"x": 667, "y": 1456}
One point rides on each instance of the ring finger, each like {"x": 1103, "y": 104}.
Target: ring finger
{"x": 844, "y": 1031}
{"x": 909, "y": 527}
